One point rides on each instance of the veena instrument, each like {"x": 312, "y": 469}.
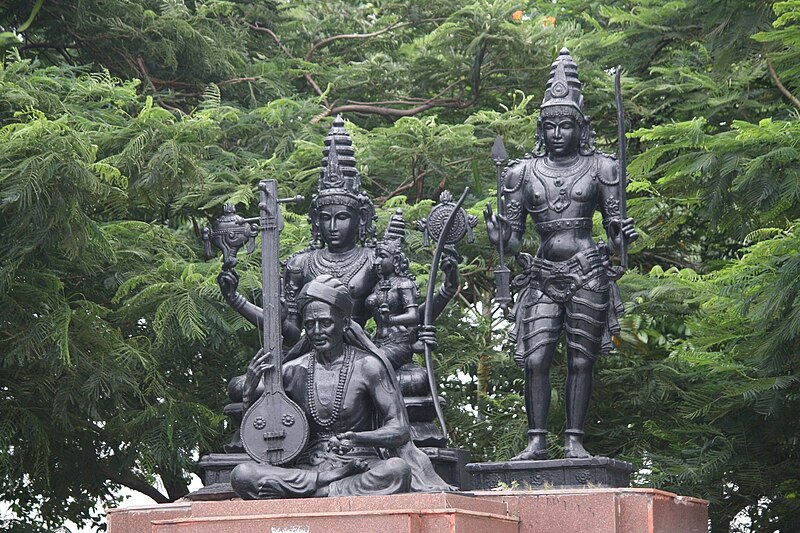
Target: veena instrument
{"x": 274, "y": 429}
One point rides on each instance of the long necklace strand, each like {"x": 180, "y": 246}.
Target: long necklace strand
{"x": 338, "y": 399}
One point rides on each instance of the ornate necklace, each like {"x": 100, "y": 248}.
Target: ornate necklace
{"x": 341, "y": 266}
{"x": 311, "y": 390}
{"x": 559, "y": 175}
{"x": 574, "y": 170}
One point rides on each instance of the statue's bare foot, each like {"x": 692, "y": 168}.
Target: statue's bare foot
{"x": 535, "y": 451}
{"x": 573, "y": 447}
{"x": 348, "y": 469}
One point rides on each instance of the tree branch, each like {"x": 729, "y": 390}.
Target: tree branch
{"x": 288, "y": 52}
{"x": 409, "y": 184}
{"x": 146, "y": 75}
{"x": 235, "y": 80}
{"x": 133, "y": 482}
{"x": 328, "y": 40}
{"x": 372, "y": 109}
{"x": 175, "y": 485}
{"x": 774, "y": 75}
{"x": 271, "y": 34}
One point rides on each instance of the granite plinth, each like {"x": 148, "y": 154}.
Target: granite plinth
{"x": 620, "y": 510}
{"x": 406, "y": 513}
{"x": 556, "y": 473}
{"x": 617, "y": 510}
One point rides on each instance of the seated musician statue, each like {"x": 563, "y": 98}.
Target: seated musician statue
{"x": 359, "y": 430}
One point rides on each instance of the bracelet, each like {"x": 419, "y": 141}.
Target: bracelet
{"x": 238, "y": 301}
{"x": 446, "y": 293}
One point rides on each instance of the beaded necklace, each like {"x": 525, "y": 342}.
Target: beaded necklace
{"x": 311, "y": 392}
{"x": 341, "y": 266}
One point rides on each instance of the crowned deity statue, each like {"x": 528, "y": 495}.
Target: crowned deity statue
{"x": 569, "y": 284}
{"x": 393, "y": 303}
{"x": 342, "y": 219}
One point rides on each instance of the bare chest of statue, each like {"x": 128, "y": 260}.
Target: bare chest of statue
{"x": 561, "y": 192}
{"x": 353, "y": 268}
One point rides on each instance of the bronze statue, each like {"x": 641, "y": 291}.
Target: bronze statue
{"x": 343, "y": 233}
{"x": 393, "y": 302}
{"x": 344, "y": 385}
{"x": 569, "y": 284}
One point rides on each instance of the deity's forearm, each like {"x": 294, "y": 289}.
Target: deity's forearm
{"x": 409, "y": 317}
{"x": 514, "y": 244}
{"x": 440, "y": 300}
{"x": 228, "y": 281}
{"x": 447, "y": 290}
{"x": 250, "y": 311}
{"x": 292, "y": 328}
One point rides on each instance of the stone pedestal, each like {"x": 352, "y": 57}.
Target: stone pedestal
{"x": 542, "y": 511}
{"x": 603, "y": 511}
{"x": 402, "y": 513}
{"x": 552, "y": 474}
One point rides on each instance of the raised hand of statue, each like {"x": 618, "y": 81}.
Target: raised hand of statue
{"x": 494, "y": 224}
{"x": 258, "y": 365}
{"x": 341, "y": 443}
{"x": 622, "y": 227}
{"x": 228, "y": 281}
{"x": 427, "y": 335}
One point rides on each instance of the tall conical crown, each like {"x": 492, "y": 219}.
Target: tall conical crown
{"x": 396, "y": 229}
{"x": 563, "y": 88}
{"x": 340, "y": 184}
{"x": 338, "y": 162}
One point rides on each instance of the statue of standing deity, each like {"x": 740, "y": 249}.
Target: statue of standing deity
{"x": 568, "y": 285}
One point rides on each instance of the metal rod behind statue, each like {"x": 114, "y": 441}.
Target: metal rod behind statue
{"x": 502, "y": 275}
{"x": 622, "y": 168}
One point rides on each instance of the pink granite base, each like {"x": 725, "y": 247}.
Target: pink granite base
{"x": 542, "y": 511}
{"x": 620, "y": 510}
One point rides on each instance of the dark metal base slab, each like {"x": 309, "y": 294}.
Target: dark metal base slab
{"x": 551, "y": 474}
{"x": 450, "y": 464}
{"x": 216, "y": 468}
{"x": 215, "y": 471}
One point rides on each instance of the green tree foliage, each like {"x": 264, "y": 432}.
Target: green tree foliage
{"x": 125, "y": 125}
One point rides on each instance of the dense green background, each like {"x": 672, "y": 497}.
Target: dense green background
{"x": 126, "y": 124}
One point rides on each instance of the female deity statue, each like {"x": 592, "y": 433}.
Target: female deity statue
{"x": 393, "y": 303}
{"x": 569, "y": 284}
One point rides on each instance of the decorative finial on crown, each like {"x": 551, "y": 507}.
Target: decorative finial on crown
{"x": 338, "y": 161}
{"x": 396, "y": 230}
{"x": 564, "y": 87}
